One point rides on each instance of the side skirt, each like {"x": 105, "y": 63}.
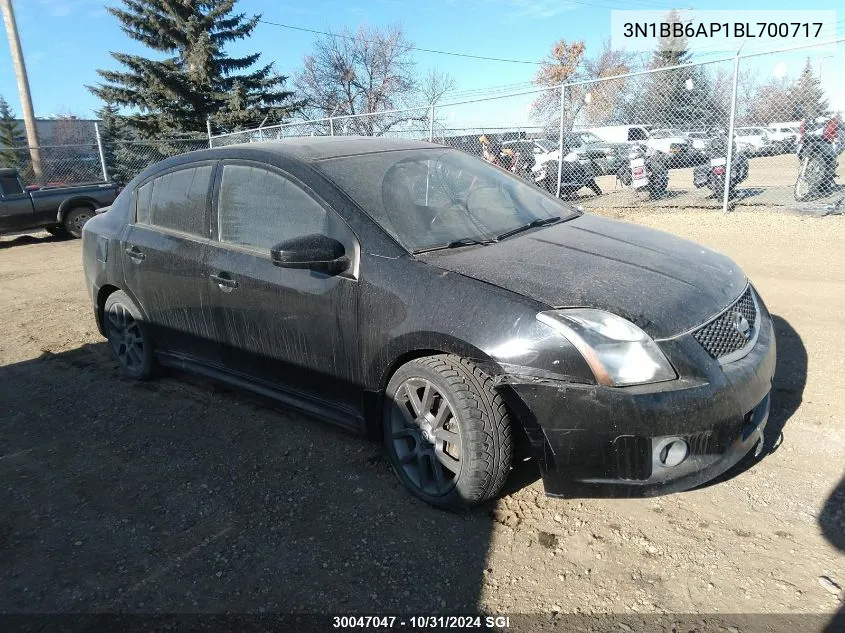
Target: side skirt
{"x": 341, "y": 416}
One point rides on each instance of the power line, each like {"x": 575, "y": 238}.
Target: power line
{"x": 416, "y": 48}
{"x": 831, "y": 32}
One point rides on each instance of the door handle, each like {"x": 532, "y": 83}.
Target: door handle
{"x": 135, "y": 253}
{"x": 225, "y": 281}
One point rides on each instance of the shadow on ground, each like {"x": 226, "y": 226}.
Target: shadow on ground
{"x": 28, "y": 239}
{"x": 172, "y": 496}
{"x": 832, "y": 523}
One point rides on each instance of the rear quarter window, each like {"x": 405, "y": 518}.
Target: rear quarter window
{"x": 142, "y": 203}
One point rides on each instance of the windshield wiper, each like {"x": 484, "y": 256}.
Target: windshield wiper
{"x": 531, "y": 225}
{"x": 464, "y": 241}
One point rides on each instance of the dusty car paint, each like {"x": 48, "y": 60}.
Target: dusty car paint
{"x": 328, "y": 344}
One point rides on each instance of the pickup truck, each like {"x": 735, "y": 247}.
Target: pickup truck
{"x": 59, "y": 210}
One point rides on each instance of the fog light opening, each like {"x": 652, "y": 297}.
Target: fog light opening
{"x": 673, "y": 453}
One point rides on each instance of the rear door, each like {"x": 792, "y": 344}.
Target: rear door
{"x": 290, "y": 328}
{"x": 164, "y": 260}
{"x": 16, "y": 210}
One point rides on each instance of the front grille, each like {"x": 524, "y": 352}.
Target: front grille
{"x": 721, "y": 336}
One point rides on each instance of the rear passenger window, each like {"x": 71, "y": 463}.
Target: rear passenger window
{"x": 11, "y": 185}
{"x": 259, "y": 208}
{"x": 177, "y": 200}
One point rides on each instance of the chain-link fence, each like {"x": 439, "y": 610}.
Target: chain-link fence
{"x": 115, "y": 160}
{"x": 712, "y": 134}
{"x": 123, "y": 160}
{"x": 59, "y": 164}
{"x": 658, "y": 137}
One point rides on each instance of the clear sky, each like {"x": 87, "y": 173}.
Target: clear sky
{"x": 65, "y": 41}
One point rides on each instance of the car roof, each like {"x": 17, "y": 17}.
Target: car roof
{"x": 311, "y": 148}
{"x": 301, "y": 150}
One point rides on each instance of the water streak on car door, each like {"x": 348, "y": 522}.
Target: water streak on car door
{"x": 289, "y": 328}
{"x": 165, "y": 269}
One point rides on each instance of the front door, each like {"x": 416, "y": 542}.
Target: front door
{"x": 288, "y": 328}
{"x": 164, "y": 261}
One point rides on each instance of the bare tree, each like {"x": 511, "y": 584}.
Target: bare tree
{"x": 559, "y": 66}
{"x": 434, "y": 85}
{"x": 602, "y": 102}
{"x": 367, "y": 71}
{"x": 594, "y": 103}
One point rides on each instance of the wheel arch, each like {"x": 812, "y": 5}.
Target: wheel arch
{"x": 403, "y": 350}
{"x": 103, "y": 294}
{"x": 73, "y": 203}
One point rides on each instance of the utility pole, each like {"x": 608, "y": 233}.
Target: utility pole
{"x": 23, "y": 85}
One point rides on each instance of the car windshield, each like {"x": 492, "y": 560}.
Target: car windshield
{"x": 662, "y": 134}
{"x": 433, "y": 198}
{"x": 587, "y": 137}
{"x": 546, "y": 145}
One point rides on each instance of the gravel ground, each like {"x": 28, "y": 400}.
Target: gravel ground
{"x": 179, "y": 495}
{"x": 770, "y": 183}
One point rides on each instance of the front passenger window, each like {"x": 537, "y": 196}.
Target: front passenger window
{"x": 259, "y": 208}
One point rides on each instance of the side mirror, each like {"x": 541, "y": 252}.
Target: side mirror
{"x": 316, "y": 252}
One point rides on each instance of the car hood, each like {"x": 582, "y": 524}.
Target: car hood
{"x": 664, "y": 284}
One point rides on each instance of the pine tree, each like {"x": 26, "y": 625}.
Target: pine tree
{"x": 114, "y": 141}
{"x": 807, "y": 96}
{"x": 10, "y": 133}
{"x": 197, "y": 80}
{"x": 683, "y": 96}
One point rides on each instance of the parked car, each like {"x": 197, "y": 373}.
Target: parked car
{"x": 432, "y": 300}
{"x": 622, "y": 133}
{"x": 753, "y": 141}
{"x": 698, "y": 140}
{"x": 674, "y": 145}
{"x": 60, "y": 210}
{"x": 583, "y": 147}
{"x": 783, "y": 137}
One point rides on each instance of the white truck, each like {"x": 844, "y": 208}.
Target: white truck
{"x": 754, "y": 141}
{"x": 784, "y": 135}
{"x": 677, "y": 148}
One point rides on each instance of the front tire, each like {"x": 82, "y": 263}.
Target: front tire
{"x": 128, "y": 337}
{"x": 76, "y": 219}
{"x": 447, "y": 432}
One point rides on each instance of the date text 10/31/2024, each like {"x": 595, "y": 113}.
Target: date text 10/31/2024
{"x": 420, "y": 622}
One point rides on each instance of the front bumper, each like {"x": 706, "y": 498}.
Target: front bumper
{"x": 594, "y": 441}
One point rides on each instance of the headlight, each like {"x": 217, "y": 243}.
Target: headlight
{"x": 618, "y": 352}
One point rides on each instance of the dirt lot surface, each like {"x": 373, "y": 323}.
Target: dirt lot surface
{"x": 181, "y": 496}
{"x": 770, "y": 183}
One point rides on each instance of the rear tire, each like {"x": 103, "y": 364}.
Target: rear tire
{"x": 447, "y": 432}
{"x": 76, "y": 219}
{"x": 128, "y": 337}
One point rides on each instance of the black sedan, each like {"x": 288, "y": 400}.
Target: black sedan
{"x": 429, "y": 299}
